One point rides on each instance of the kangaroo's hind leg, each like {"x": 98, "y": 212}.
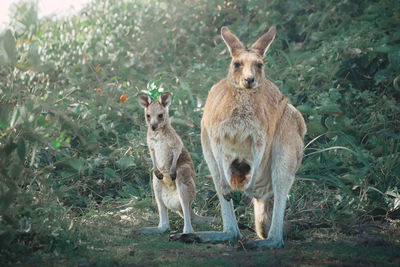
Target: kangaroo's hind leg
{"x": 163, "y": 224}
{"x": 231, "y": 230}
{"x": 186, "y": 192}
{"x": 282, "y": 179}
{"x": 286, "y": 159}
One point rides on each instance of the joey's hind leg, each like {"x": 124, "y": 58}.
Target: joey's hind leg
{"x": 186, "y": 191}
{"x": 163, "y": 224}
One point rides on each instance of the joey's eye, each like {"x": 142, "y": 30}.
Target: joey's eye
{"x": 148, "y": 116}
{"x": 237, "y": 64}
{"x": 259, "y": 65}
{"x": 160, "y": 116}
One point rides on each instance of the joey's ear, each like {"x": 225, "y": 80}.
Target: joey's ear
{"x": 165, "y": 99}
{"x": 144, "y": 100}
{"x": 262, "y": 44}
{"x": 232, "y": 41}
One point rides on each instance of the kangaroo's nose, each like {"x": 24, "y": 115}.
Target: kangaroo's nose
{"x": 249, "y": 80}
{"x": 153, "y": 127}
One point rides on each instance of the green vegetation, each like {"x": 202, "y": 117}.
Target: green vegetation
{"x": 72, "y": 135}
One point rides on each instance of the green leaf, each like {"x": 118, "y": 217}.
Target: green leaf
{"x": 56, "y": 144}
{"x": 10, "y": 46}
{"x": 21, "y": 149}
{"x": 10, "y": 147}
{"x": 111, "y": 175}
{"x": 396, "y": 83}
{"x": 130, "y": 190}
{"x": 382, "y": 75}
{"x": 2, "y": 126}
{"x": 385, "y": 49}
{"x": 394, "y": 59}
{"x": 33, "y": 55}
{"x": 328, "y": 109}
{"x": 315, "y": 127}
{"x": 90, "y": 213}
{"x": 75, "y": 164}
{"x": 306, "y": 109}
{"x": 125, "y": 162}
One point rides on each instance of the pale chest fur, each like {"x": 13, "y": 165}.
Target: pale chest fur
{"x": 239, "y": 130}
{"x": 162, "y": 148}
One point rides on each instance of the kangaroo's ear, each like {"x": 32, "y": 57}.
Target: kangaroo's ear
{"x": 261, "y": 45}
{"x": 144, "y": 100}
{"x": 232, "y": 41}
{"x": 165, "y": 99}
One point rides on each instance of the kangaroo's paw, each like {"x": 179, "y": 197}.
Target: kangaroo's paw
{"x": 262, "y": 244}
{"x": 173, "y": 175}
{"x": 227, "y": 192}
{"x": 158, "y": 174}
{"x": 185, "y": 238}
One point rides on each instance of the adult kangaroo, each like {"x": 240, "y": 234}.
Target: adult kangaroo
{"x": 252, "y": 140}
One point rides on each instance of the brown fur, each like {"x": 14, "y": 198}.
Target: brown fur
{"x": 174, "y": 178}
{"x": 253, "y": 137}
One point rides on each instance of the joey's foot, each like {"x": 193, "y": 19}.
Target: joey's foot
{"x": 247, "y": 197}
{"x": 158, "y": 174}
{"x": 262, "y": 244}
{"x": 185, "y": 238}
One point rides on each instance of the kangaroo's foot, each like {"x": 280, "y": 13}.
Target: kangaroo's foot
{"x": 150, "y": 230}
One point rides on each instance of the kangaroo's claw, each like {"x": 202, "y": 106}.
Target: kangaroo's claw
{"x": 158, "y": 174}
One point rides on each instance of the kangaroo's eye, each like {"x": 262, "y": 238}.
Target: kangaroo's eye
{"x": 148, "y": 116}
{"x": 237, "y": 64}
{"x": 160, "y": 116}
{"x": 259, "y": 65}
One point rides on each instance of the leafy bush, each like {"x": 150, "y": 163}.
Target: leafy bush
{"x": 72, "y": 135}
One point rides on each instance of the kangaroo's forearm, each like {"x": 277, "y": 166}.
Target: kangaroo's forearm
{"x": 176, "y": 153}
{"x": 153, "y": 158}
{"x": 175, "y": 156}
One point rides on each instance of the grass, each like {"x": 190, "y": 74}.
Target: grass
{"x": 109, "y": 242}
{"x": 73, "y": 155}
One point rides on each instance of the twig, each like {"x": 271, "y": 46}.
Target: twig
{"x": 59, "y": 100}
{"x": 244, "y": 248}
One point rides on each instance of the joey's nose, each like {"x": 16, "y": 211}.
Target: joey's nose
{"x": 153, "y": 127}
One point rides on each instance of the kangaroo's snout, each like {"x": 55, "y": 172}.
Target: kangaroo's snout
{"x": 154, "y": 127}
{"x": 248, "y": 81}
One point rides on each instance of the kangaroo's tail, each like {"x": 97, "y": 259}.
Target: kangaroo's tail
{"x": 197, "y": 219}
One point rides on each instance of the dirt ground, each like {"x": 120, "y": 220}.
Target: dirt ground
{"x": 110, "y": 242}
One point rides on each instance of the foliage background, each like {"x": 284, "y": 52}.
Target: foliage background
{"x": 69, "y": 144}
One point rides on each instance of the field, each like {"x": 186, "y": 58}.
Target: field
{"x": 74, "y": 165}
